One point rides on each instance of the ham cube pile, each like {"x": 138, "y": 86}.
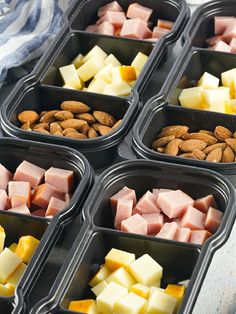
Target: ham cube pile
{"x": 167, "y": 214}
{"x": 135, "y": 23}
{"x": 225, "y": 34}
{"x": 32, "y": 190}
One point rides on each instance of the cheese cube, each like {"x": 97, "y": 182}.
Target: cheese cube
{"x": 116, "y": 75}
{"x": 77, "y": 61}
{"x": 70, "y": 76}
{"x": 231, "y": 106}
{"x": 109, "y": 296}
{"x": 6, "y": 290}
{"x": 131, "y": 84}
{"x": 160, "y": 303}
{"x": 157, "y": 284}
{"x": 13, "y": 247}
{"x": 105, "y": 73}
{"x": 216, "y": 98}
{"x": 146, "y": 270}
{"x": 117, "y": 89}
{"x": 15, "y": 277}
{"x": 208, "y": 81}
{"x": 2, "y": 238}
{"x": 141, "y": 290}
{"x": 128, "y": 73}
{"x": 90, "y": 68}
{"x": 9, "y": 262}
{"x": 26, "y": 248}
{"x": 130, "y": 304}
{"x": 111, "y": 59}
{"x": 139, "y": 61}
{"x": 118, "y": 258}
{"x": 99, "y": 287}
{"x": 176, "y": 292}
{"x": 122, "y": 277}
{"x": 97, "y": 86}
{"x": 101, "y": 275}
{"x": 192, "y": 98}
{"x": 152, "y": 289}
{"x": 84, "y": 306}
{"x": 68, "y": 87}
{"x": 97, "y": 53}
{"x": 228, "y": 80}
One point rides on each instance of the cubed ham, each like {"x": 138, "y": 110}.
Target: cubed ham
{"x": 154, "y": 222}
{"x": 39, "y": 212}
{"x": 20, "y": 189}
{"x": 123, "y": 211}
{"x": 61, "y": 179}
{"x": 134, "y": 28}
{"x": 233, "y": 45}
{"x": 182, "y": 234}
{"x": 136, "y": 211}
{"x": 147, "y": 204}
{"x": 174, "y": 203}
{"x": 29, "y": 172}
{"x": 67, "y": 198}
{"x": 114, "y": 18}
{"x": 3, "y": 200}
{"x": 159, "y": 32}
{"x": 213, "y": 219}
{"x": 222, "y": 22}
{"x": 165, "y": 24}
{"x": 112, "y": 6}
{"x": 17, "y": 201}
{"x": 91, "y": 29}
{"x": 204, "y": 203}
{"x": 134, "y": 224}
{"x": 177, "y": 220}
{"x": 193, "y": 219}
{"x": 125, "y": 193}
{"x": 136, "y": 10}
{"x": 230, "y": 31}
{"x": 21, "y": 209}
{"x": 199, "y": 236}
{"x": 105, "y": 28}
{"x": 156, "y": 192}
{"x": 221, "y": 46}
{"x": 117, "y": 31}
{"x": 5, "y": 176}
{"x": 148, "y": 33}
{"x": 43, "y": 194}
{"x": 168, "y": 231}
{"x": 212, "y": 41}
{"x": 151, "y": 39}
{"x": 55, "y": 206}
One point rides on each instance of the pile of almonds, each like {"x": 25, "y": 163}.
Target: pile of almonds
{"x": 216, "y": 146}
{"x": 72, "y": 121}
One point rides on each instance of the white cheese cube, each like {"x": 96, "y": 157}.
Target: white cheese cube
{"x": 157, "y": 284}
{"x": 7, "y": 290}
{"x": 95, "y": 52}
{"x": 9, "y": 262}
{"x": 99, "y": 287}
{"x": 139, "y": 61}
{"x": 68, "y": 87}
{"x": 117, "y": 89}
{"x": 111, "y": 59}
{"x": 228, "y": 79}
{"x": 145, "y": 270}
{"x": 192, "y": 98}
{"x": 70, "y": 76}
{"x": 109, "y": 296}
{"x": 97, "y": 86}
{"x": 90, "y": 68}
{"x": 208, "y": 81}
{"x": 116, "y": 75}
{"x": 15, "y": 277}
{"x": 231, "y": 106}
{"x": 130, "y": 304}
{"x": 118, "y": 258}
{"x": 105, "y": 73}
{"x": 141, "y": 290}
{"x": 160, "y": 302}
{"x": 2, "y": 238}
{"x": 152, "y": 289}
{"x": 77, "y": 61}
{"x": 122, "y": 277}
{"x": 101, "y": 275}
{"x": 216, "y": 98}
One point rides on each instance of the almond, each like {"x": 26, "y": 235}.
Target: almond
{"x": 76, "y": 135}
{"x": 43, "y": 125}
{"x": 42, "y": 113}
{"x": 207, "y": 132}
{"x": 187, "y": 155}
{"x": 58, "y": 133}
{"x": 26, "y": 126}
{"x": 73, "y": 123}
{"x": 208, "y": 149}
{"x": 74, "y": 106}
{"x": 104, "y": 130}
{"x": 163, "y": 141}
{"x": 85, "y": 129}
{"x": 43, "y": 131}
{"x": 210, "y": 140}
{"x": 215, "y": 155}
{"x": 228, "y": 155}
{"x": 86, "y": 117}
{"x": 92, "y": 133}
{"x": 28, "y": 116}
{"x": 221, "y": 133}
{"x": 64, "y": 115}
{"x": 160, "y": 149}
{"x": 176, "y": 130}
{"x": 231, "y": 142}
{"x": 198, "y": 154}
{"x": 69, "y": 130}
{"x": 117, "y": 124}
{"x": 191, "y": 145}
{"x": 49, "y": 116}
{"x": 104, "y": 118}
{"x": 95, "y": 126}
{"x": 55, "y": 127}
{"x": 235, "y": 134}
{"x": 172, "y": 147}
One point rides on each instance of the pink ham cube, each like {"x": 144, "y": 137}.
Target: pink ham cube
{"x": 29, "y": 172}
{"x": 67, "y": 198}
{"x": 61, "y": 179}
{"x": 20, "y": 189}
{"x": 168, "y": 231}
{"x": 105, "y": 28}
{"x": 199, "y": 236}
{"x": 3, "y": 200}
{"x": 134, "y": 28}
{"x": 39, "y": 212}
{"x": 123, "y": 211}
{"x": 204, "y": 203}
{"x": 91, "y": 29}
{"x": 125, "y": 193}
{"x": 148, "y": 34}
{"x": 159, "y": 32}
{"x": 222, "y": 22}
{"x": 156, "y": 192}
{"x": 165, "y": 24}
{"x": 55, "y": 206}
{"x": 233, "y": 45}
{"x": 136, "y": 10}
{"x": 5, "y": 176}
{"x": 43, "y": 194}
{"x": 212, "y": 41}
{"x": 154, "y": 222}
{"x": 112, "y": 6}
{"x": 213, "y": 219}
{"x": 136, "y": 211}
{"x": 134, "y": 224}
{"x": 21, "y": 209}
{"x": 193, "y": 219}
{"x": 17, "y": 201}
{"x": 182, "y": 234}
{"x": 115, "y": 18}
{"x": 230, "y": 31}
{"x": 152, "y": 39}
{"x": 174, "y": 203}
{"x": 147, "y": 204}
{"x": 221, "y": 46}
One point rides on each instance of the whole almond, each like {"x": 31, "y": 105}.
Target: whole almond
{"x": 228, "y": 155}
{"x": 207, "y": 132}
{"x": 117, "y": 124}
{"x": 177, "y": 130}
{"x": 221, "y": 133}
{"x": 187, "y": 155}
{"x": 26, "y": 126}
{"x": 73, "y": 123}
{"x": 104, "y": 130}
{"x": 190, "y": 145}
{"x": 58, "y": 133}
{"x": 231, "y": 142}
{"x": 172, "y": 147}
{"x": 74, "y": 106}
{"x": 235, "y": 134}
{"x": 28, "y": 116}
{"x": 76, "y": 135}
{"x": 92, "y": 133}
{"x": 43, "y": 125}
{"x": 49, "y": 116}
{"x": 210, "y": 140}
{"x": 42, "y": 113}
{"x": 86, "y": 117}
{"x": 55, "y": 127}
{"x": 215, "y": 155}
{"x": 198, "y": 154}
{"x": 43, "y": 131}
{"x": 84, "y": 130}
{"x": 95, "y": 126}
{"x": 160, "y": 149}
{"x": 163, "y": 141}
{"x": 69, "y": 130}
{"x": 209, "y": 149}
{"x": 104, "y": 118}
{"x": 64, "y": 115}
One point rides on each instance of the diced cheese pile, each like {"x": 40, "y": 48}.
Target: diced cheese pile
{"x": 125, "y": 285}
{"x": 13, "y": 261}
{"x": 210, "y": 96}
{"x": 98, "y": 72}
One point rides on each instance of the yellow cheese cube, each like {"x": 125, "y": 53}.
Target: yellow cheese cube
{"x": 77, "y": 61}
{"x": 84, "y": 306}
{"x": 105, "y": 73}
{"x": 145, "y": 270}
{"x": 9, "y": 262}
{"x": 13, "y": 247}
{"x": 139, "y": 61}
{"x": 228, "y": 80}
{"x": 15, "y": 277}
{"x": 70, "y": 76}
{"x": 117, "y": 89}
{"x": 192, "y": 98}
{"x": 99, "y": 287}
{"x": 109, "y": 296}
{"x": 7, "y": 290}
{"x": 137, "y": 72}
{"x": 90, "y": 68}
{"x": 101, "y": 275}
{"x": 97, "y": 86}
{"x": 176, "y": 292}
{"x": 141, "y": 290}
{"x": 68, "y": 87}
{"x": 118, "y": 258}
{"x": 111, "y": 59}
{"x": 231, "y": 106}
{"x": 152, "y": 289}
{"x": 128, "y": 73}
{"x": 122, "y": 277}
{"x": 160, "y": 303}
{"x": 26, "y": 248}
{"x": 216, "y": 98}
{"x": 208, "y": 81}
{"x": 97, "y": 53}
{"x": 2, "y": 238}
{"x": 131, "y": 303}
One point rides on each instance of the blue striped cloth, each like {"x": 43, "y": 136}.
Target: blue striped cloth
{"x": 26, "y": 29}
